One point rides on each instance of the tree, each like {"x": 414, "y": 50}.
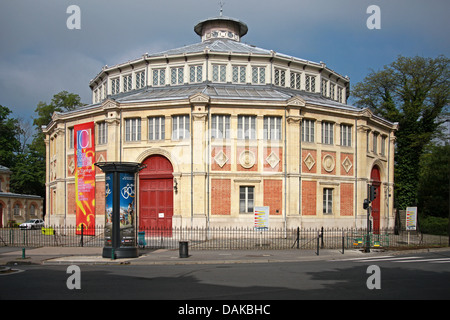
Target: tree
{"x": 9, "y": 142}
{"x": 412, "y": 92}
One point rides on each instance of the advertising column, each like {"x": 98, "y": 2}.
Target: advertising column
{"x": 84, "y": 143}
{"x": 120, "y": 193}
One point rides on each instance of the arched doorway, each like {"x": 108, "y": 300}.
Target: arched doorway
{"x": 376, "y": 182}
{"x": 156, "y": 195}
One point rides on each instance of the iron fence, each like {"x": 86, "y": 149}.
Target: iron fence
{"x": 222, "y": 238}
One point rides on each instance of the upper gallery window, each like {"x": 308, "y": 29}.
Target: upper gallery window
{"x": 127, "y": 83}
{"x": 239, "y": 74}
{"x": 280, "y": 77}
{"x": 159, "y": 77}
{"x": 295, "y": 80}
{"x": 195, "y": 74}
{"x": 177, "y": 75}
{"x": 310, "y": 83}
{"x": 258, "y": 75}
{"x": 115, "y": 86}
{"x": 140, "y": 79}
{"x": 219, "y": 73}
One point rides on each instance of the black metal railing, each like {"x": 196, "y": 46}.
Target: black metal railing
{"x": 225, "y": 238}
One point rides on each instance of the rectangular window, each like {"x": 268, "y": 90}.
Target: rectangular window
{"x": 327, "y": 133}
{"x": 220, "y": 126}
{"x": 310, "y": 83}
{"x": 375, "y": 142}
{"x": 383, "y": 145}
{"x": 177, "y": 75}
{"x": 239, "y": 74}
{"x": 102, "y": 133}
{"x": 70, "y": 138}
{"x": 258, "y": 75}
{"x": 140, "y": 79}
{"x": 332, "y": 91}
{"x": 133, "y": 129}
{"x": 115, "y": 86}
{"x": 195, "y": 74}
{"x": 246, "y": 199}
{"x": 324, "y": 88}
{"x": 327, "y": 201}
{"x": 219, "y": 73}
{"x": 346, "y": 135}
{"x": 156, "y": 128}
{"x": 272, "y": 128}
{"x": 159, "y": 77}
{"x": 295, "y": 80}
{"x": 180, "y": 127}
{"x": 280, "y": 77}
{"x": 340, "y": 96}
{"x": 308, "y": 130}
{"x": 246, "y": 127}
{"x": 127, "y": 83}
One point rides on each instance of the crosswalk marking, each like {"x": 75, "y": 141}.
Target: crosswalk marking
{"x": 394, "y": 259}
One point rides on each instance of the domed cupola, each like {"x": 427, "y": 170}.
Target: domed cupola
{"x": 221, "y": 27}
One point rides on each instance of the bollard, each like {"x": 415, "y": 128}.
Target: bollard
{"x": 184, "y": 249}
{"x": 318, "y": 238}
{"x": 113, "y": 256}
{"x": 23, "y": 253}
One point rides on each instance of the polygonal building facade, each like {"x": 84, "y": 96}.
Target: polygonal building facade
{"x": 222, "y": 128}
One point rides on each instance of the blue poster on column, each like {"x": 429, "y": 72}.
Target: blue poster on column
{"x": 127, "y": 208}
{"x": 109, "y": 187}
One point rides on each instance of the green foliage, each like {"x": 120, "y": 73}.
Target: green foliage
{"x": 412, "y": 92}
{"x": 433, "y": 225}
{"x": 9, "y": 142}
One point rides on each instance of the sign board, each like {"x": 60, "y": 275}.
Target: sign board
{"x": 411, "y": 218}
{"x": 261, "y": 218}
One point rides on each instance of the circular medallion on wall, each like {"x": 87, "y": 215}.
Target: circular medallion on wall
{"x": 328, "y": 163}
{"x": 247, "y": 159}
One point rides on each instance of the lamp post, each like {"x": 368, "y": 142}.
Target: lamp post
{"x": 120, "y": 235}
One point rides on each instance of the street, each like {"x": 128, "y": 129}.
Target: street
{"x": 411, "y": 276}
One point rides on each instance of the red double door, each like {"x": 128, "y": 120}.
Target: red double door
{"x": 156, "y": 196}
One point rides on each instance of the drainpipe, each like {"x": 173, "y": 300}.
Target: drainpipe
{"x": 356, "y": 171}
{"x": 285, "y": 169}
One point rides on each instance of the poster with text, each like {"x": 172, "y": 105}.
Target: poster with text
{"x": 84, "y": 143}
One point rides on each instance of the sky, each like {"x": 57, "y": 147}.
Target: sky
{"x": 40, "y": 56}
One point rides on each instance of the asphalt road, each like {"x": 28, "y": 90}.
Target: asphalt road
{"x": 404, "y": 277}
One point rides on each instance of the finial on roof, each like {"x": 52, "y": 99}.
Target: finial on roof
{"x": 221, "y": 4}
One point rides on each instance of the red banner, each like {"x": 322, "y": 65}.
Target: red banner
{"x": 84, "y": 143}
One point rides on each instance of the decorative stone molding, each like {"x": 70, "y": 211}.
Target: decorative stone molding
{"x": 247, "y": 159}
{"x": 273, "y": 159}
{"x": 221, "y": 158}
{"x": 309, "y": 161}
{"x": 347, "y": 164}
{"x": 328, "y": 163}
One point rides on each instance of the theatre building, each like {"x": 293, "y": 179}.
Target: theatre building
{"x": 223, "y": 127}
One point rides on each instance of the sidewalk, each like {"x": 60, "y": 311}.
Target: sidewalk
{"x": 87, "y": 255}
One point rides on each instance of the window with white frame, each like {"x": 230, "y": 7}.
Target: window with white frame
{"x": 280, "y": 77}
{"x": 333, "y": 91}
{"x": 324, "y": 88}
{"x": 308, "y": 130}
{"x": 327, "y": 132}
{"x": 102, "y": 128}
{"x": 239, "y": 74}
{"x": 258, "y": 75}
{"x": 133, "y": 129}
{"x": 340, "y": 96}
{"x": 16, "y": 210}
{"x": 126, "y": 83}
{"x": 180, "y": 127}
{"x": 195, "y": 74}
{"x": 310, "y": 83}
{"x": 246, "y": 199}
{"x": 115, "y": 86}
{"x": 295, "y": 80}
{"x": 156, "y": 128}
{"x": 140, "y": 79}
{"x": 346, "y": 135}
{"x": 327, "y": 201}
{"x": 159, "y": 77}
{"x": 272, "y": 128}
{"x": 177, "y": 75}
{"x": 246, "y": 127}
{"x": 220, "y": 126}
{"x": 219, "y": 73}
